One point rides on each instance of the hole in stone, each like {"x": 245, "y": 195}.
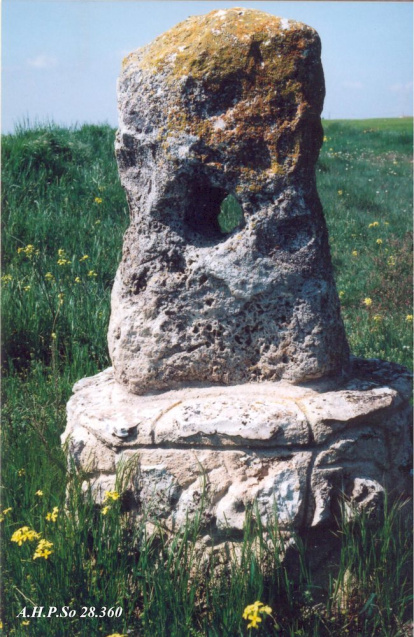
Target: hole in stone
{"x": 202, "y": 214}
{"x": 209, "y": 302}
{"x": 231, "y": 214}
{"x": 211, "y": 212}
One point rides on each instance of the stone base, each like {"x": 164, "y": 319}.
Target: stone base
{"x": 228, "y": 449}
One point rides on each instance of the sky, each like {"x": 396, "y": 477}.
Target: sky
{"x": 61, "y": 58}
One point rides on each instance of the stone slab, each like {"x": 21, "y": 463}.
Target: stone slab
{"x": 279, "y": 447}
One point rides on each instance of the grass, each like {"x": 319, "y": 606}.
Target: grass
{"x": 64, "y": 214}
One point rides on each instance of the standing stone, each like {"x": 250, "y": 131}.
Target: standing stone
{"x": 226, "y": 274}
{"x": 225, "y": 287}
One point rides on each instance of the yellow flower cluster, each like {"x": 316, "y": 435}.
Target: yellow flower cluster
{"x": 92, "y": 273}
{"x": 111, "y": 495}
{"x": 367, "y": 301}
{"x": 391, "y": 261}
{"x": 98, "y": 200}
{"x": 251, "y": 613}
{"x": 49, "y": 276}
{"x": 408, "y": 318}
{"x": 29, "y": 250}
{"x": 62, "y": 258}
{"x": 374, "y": 224}
{"x": 105, "y": 510}
{"x": 52, "y": 517}
{"x": 7, "y": 278}
{"x": 85, "y": 256}
{"x": 379, "y": 241}
{"x": 39, "y": 493}
{"x": 354, "y": 253}
{"x": 43, "y": 549}
{"x": 5, "y": 512}
{"x": 24, "y": 534}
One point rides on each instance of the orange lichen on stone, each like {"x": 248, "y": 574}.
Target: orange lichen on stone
{"x": 261, "y": 76}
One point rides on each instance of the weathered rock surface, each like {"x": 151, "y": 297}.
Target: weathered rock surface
{"x": 270, "y": 445}
{"x": 223, "y": 107}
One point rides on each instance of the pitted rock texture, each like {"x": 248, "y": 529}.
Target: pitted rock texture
{"x": 271, "y": 446}
{"x": 226, "y": 104}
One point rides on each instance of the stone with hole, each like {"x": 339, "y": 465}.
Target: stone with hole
{"x": 226, "y": 274}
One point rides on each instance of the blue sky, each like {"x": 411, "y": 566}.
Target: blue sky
{"x": 61, "y": 59}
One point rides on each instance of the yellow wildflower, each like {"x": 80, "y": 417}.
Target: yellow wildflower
{"x": 251, "y": 613}
{"x": 117, "y": 635}
{"x": 39, "y": 493}
{"x": 374, "y": 224}
{"x": 6, "y": 511}
{"x": 92, "y": 273}
{"x": 391, "y": 261}
{"x": 341, "y": 294}
{"x": 354, "y": 253}
{"x": 340, "y": 192}
{"x": 53, "y": 336}
{"x": 379, "y": 241}
{"x": 63, "y": 261}
{"x": 21, "y": 472}
{"x": 105, "y": 510}
{"x": 386, "y": 223}
{"x": 325, "y": 139}
{"x": 61, "y": 298}
{"x": 25, "y": 623}
{"x": 23, "y": 534}
{"x": 85, "y": 256}
{"x": 77, "y": 280}
{"x": 52, "y": 517}
{"x": 98, "y": 221}
{"x": 377, "y": 318}
{"x": 367, "y": 301}
{"x": 7, "y": 278}
{"x": 61, "y": 252}
{"x": 49, "y": 276}
{"x": 43, "y": 549}
{"x": 26, "y": 288}
{"x": 409, "y": 318}
{"x": 98, "y": 200}
{"x": 29, "y": 250}
{"x": 111, "y": 495}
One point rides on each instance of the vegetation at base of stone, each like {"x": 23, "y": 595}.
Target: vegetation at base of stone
{"x": 63, "y": 215}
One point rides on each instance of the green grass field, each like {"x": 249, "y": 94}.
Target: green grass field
{"x": 63, "y": 215}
